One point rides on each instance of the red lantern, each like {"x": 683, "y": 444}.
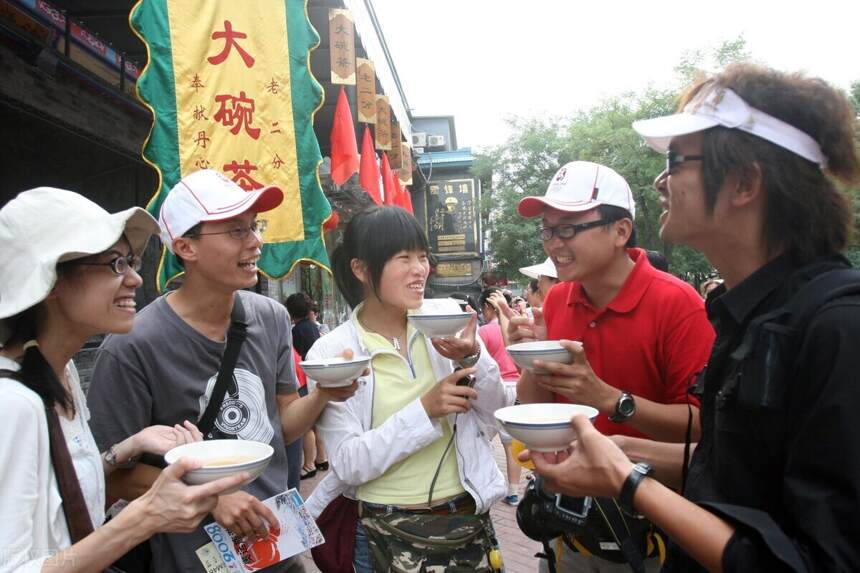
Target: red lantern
{"x": 332, "y": 222}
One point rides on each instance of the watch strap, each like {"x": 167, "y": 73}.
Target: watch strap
{"x": 639, "y": 472}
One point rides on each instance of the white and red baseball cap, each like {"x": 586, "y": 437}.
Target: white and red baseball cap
{"x": 581, "y": 186}
{"x": 206, "y": 196}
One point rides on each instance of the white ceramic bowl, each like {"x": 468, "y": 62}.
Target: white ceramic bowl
{"x": 542, "y": 427}
{"x": 440, "y": 325}
{"x": 335, "y": 372}
{"x": 230, "y": 457}
{"x": 524, "y": 354}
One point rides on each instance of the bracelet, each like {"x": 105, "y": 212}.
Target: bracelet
{"x": 469, "y": 361}
{"x": 111, "y": 459}
{"x": 639, "y": 472}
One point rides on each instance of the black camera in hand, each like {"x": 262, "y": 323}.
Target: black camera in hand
{"x": 543, "y": 515}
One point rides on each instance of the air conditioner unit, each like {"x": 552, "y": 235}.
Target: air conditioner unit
{"x": 435, "y": 141}
{"x": 419, "y": 139}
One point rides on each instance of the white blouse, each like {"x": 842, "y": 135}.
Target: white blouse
{"x": 32, "y": 524}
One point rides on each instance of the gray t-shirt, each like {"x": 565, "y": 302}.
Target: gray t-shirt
{"x": 164, "y": 371}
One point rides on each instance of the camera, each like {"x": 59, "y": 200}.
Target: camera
{"x": 544, "y": 515}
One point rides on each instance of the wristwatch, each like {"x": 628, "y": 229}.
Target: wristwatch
{"x": 624, "y": 408}
{"x": 110, "y": 459}
{"x": 469, "y": 361}
{"x": 625, "y": 498}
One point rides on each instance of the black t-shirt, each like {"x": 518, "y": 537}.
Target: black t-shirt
{"x": 786, "y": 475}
{"x": 305, "y": 333}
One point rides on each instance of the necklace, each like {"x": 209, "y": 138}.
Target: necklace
{"x": 396, "y": 342}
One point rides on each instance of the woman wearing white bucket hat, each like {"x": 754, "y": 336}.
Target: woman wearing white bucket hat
{"x": 68, "y": 271}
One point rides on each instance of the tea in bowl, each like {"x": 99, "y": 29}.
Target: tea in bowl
{"x": 223, "y": 458}
{"x": 525, "y": 353}
{"x": 335, "y": 372}
{"x": 542, "y": 427}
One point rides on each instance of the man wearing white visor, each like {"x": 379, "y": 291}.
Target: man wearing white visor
{"x": 545, "y": 274}
{"x": 167, "y": 367}
{"x": 638, "y": 336}
{"x": 774, "y": 483}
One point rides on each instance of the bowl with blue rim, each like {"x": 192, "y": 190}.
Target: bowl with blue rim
{"x": 525, "y": 353}
{"x": 335, "y": 372}
{"x": 440, "y": 325}
{"x": 543, "y": 427}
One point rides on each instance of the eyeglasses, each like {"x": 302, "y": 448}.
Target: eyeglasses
{"x": 674, "y": 159}
{"x": 570, "y": 231}
{"x": 119, "y": 265}
{"x": 238, "y": 233}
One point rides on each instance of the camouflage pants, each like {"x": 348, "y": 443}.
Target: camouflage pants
{"x": 404, "y": 542}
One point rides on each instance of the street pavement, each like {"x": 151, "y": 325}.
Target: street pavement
{"x": 517, "y": 550}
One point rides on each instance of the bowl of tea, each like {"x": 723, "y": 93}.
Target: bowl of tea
{"x": 222, "y": 458}
{"x": 542, "y": 427}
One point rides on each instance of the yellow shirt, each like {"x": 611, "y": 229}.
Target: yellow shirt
{"x": 397, "y": 382}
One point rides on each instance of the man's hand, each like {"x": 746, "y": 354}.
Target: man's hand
{"x": 462, "y": 345}
{"x": 445, "y": 397}
{"x": 592, "y": 465}
{"x": 525, "y": 329}
{"x": 160, "y": 439}
{"x": 244, "y": 514}
{"x": 577, "y": 382}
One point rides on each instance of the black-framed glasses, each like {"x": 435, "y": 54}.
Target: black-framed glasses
{"x": 238, "y": 233}
{"x": 570, "y": 231}
{"x": 119, "y": 265}
{"x": 674, "y": 159}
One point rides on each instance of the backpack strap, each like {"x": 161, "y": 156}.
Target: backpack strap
{"x": 824, "y": 288}
{"x": 236, "y": 335}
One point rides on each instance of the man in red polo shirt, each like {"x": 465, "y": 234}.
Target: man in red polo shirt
{"x": 644, "y": 333}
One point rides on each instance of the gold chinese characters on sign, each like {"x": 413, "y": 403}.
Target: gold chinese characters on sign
{"x": 383, "y": 123}
{"x": 454, "y": 269}
{"x": 342, "y": 46}
{"x": 366, "y": 89}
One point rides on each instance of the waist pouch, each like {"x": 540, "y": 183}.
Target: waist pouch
{"x": 608, "y": 528}
{"x": 407, "y": 542}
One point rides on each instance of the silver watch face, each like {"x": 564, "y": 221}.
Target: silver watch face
{"x": 626, "y": 406}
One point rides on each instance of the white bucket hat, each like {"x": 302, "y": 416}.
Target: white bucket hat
{"x": 206, "y": 196}
{"x": 581, "y": 186}
{"x": 716, "y": 105}
{"x": 546, "y": 269}
{"x": 45, "y": 226}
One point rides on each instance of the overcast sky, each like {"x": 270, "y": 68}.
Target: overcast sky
{"x": 484, "y": 60}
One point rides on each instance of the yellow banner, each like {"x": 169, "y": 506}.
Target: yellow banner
{"x": 234, "y": 103}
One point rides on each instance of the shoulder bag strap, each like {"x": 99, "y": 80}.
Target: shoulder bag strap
{"x": 74, "y": 507}
{"x": 236, "y": 335}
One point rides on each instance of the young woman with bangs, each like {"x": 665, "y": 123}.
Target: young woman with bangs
{"x": 409, "y": 445}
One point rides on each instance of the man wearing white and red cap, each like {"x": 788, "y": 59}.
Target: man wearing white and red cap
{"x": 752, "y": 164}
{"x": 644, "y": 333}
{"x": 166, "y": 368}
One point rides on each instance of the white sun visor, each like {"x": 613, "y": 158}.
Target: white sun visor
{"x": 720, "y": 106}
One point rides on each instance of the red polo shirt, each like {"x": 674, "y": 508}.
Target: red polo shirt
{"x": 650, "y": 340}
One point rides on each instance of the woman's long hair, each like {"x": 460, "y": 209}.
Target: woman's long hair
{"x": 374, "y": 236}
{"x": 36, "y": 374}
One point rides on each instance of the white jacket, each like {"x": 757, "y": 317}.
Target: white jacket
{"x": 359, "y": 454}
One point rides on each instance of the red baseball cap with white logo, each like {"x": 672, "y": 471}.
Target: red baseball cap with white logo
{"x": 206, "y": 196}
{"x": 581, "y": 186}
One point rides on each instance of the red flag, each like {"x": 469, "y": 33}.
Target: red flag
{"x": 404, "y": 195}
{"x": 344, "y": 151}
{"x": 369, "y": 174}
{"x": 388, "y": 179}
